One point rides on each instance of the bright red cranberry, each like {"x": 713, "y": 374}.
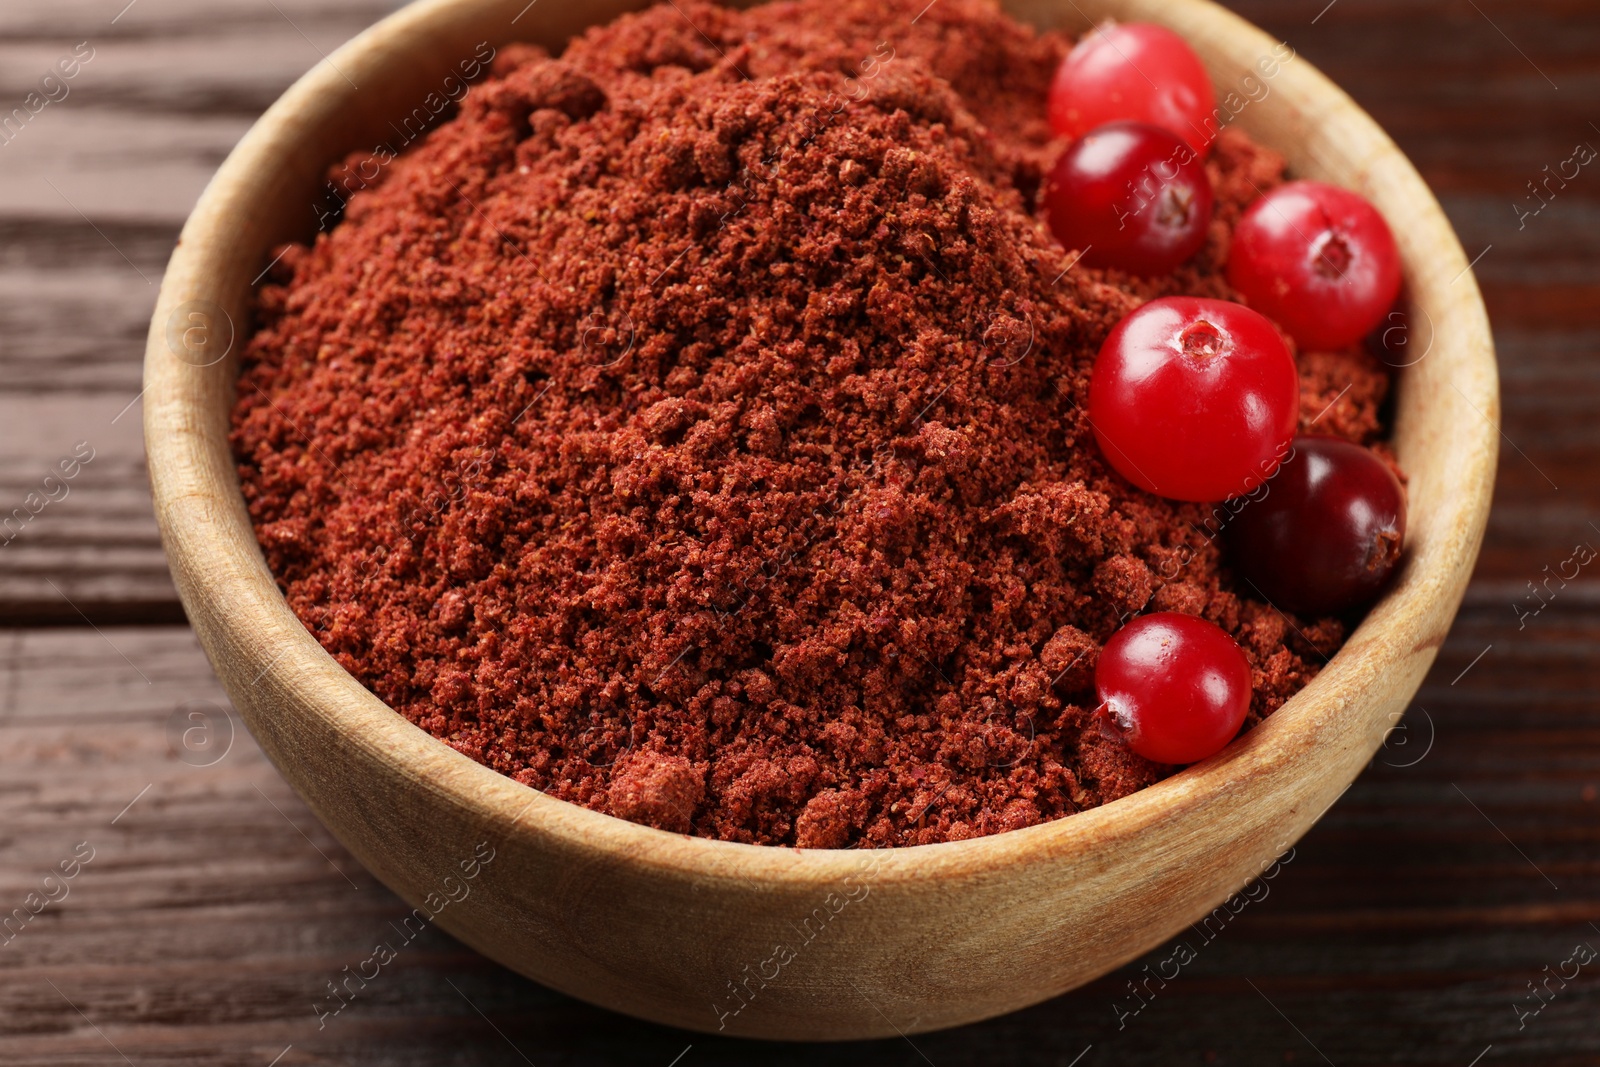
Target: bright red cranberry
{"x": 1174, "y": 686}
{"x": 1138, "y": 72}
{"x": 1194, "y": 399}
{"x": 1130, "y": 196}
{"x": 1326, "y": 532}
{"x": 1319, "y": 260}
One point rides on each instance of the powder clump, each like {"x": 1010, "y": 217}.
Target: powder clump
{"x": 656, "y": 789}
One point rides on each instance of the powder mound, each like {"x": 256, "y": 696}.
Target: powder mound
{"x": 692, "y": 428}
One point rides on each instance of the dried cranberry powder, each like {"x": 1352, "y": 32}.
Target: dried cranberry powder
{"x": 692, "y": 428}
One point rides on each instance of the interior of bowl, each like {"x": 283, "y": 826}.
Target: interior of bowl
{"x": 1277, "y": 779}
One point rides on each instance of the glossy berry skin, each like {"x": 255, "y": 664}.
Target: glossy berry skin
{"x": 1175, "y": 687}
{"x": 1326, "y": 532}
{"x": 1317, "y": 259}
{"x": 1134, "y": 72}
{"x": 1130, "y": 196}
{"x": 1194, "y": 399}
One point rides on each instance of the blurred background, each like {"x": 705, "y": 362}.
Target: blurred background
{"x": 1445, "y": 911}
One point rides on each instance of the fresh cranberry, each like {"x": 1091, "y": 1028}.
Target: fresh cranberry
{"x": 1175, "y": 687}
{"x": 1326, "y": 532}
{"x": 1131, "y": 196}
{"x": 1194, "y": 399}
{"x": 1134, "y": 71}
{"x": 1319, "y": 260}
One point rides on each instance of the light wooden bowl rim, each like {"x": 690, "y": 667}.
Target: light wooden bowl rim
{"x": 239, "y": 612}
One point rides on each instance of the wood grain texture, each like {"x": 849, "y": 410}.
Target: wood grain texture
{"x": 1403, "y": 931}
{"x": 93, "y": 191}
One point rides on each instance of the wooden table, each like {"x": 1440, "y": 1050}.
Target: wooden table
{"x": 208, "y": 910}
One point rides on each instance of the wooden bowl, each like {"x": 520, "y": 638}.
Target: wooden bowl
{"x": 778, "y": 942}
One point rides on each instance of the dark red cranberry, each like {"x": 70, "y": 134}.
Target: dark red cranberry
{"x": 1326, "y": 532}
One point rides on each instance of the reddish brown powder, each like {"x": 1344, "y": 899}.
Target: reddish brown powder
{"x": 692, "y": 429}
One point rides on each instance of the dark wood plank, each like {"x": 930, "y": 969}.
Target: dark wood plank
{"x": 92, "y": 194}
